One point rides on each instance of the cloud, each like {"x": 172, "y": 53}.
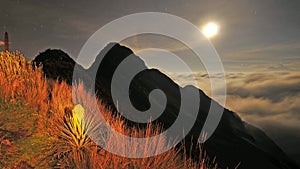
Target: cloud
{"x": 84, "y": 26}
{"x": 272, "y": 48}
{"x": 256, "y": 51}
{"x": 278, "y": 67}
{"x": 275, "y": 86}
{"x": 269, "y": 100}
{"x": 264, "y": 57}
{"x": 257, "y": 95}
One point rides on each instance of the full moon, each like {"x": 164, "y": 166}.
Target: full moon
{"x": 210, "y": 30}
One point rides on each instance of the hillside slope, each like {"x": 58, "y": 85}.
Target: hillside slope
{"x": 234, "y": 140}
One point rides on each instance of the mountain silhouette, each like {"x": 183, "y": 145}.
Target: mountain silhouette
{"x": 59, "y": 60}
{"x": 234, "y": 140}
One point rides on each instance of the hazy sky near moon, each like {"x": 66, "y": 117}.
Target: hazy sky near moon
{"x": 254, "y": 35}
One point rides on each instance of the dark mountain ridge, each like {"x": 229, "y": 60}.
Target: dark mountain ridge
{"x": 233, "y": 142}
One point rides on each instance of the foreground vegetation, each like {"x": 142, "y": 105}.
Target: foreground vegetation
{"x": 41, "y": 125}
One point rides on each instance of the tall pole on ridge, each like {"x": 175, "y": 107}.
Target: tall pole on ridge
{"x": 6, "y": 42}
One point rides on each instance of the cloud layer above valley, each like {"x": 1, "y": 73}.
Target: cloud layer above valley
{"x": 268, "y": 100}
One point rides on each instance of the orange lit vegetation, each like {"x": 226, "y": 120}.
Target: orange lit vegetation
{"x": 40, "y": 125}
{"x": 23, "y": 82}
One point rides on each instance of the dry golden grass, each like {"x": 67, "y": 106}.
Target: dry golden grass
{"x": 21, "y": 81}
{"x": 71, "y": 121}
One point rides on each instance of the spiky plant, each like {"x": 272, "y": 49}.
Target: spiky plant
{"x": 73, "y": 144}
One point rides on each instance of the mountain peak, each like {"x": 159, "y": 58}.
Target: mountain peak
{"x": 57, "y": 64}
{"x": 233, "y": 142}
{"x": 114, "y": 51}
{"x": 53, "y": 55}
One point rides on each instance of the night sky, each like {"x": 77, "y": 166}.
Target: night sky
{"x": 254, "y": 35}
{"x": 258, "y": 42}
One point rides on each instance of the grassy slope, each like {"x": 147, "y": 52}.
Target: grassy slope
{"x": 40, "y": 130}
